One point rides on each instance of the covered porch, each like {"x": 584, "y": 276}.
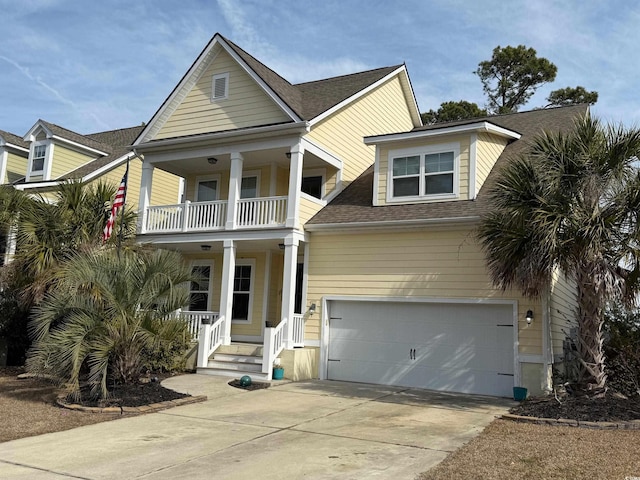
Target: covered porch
{"x": 250, "y": 293}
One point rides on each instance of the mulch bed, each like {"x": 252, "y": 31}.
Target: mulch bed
{"x": 135, "y": 395}
{"x": 253, "y": 386}
{"x": 605, "y": 408}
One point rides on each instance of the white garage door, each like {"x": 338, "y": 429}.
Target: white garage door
{"x": 440, "y": 346}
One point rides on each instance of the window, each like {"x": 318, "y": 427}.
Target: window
{"x": 220, "y": 87}
{"x": 199, "y": 289}
{"x": 430, "y": 173}
{"x": 249, "y": 187}
{"x": 39, "y": 155}
{"x": 207, "y": 191}
{"x": 312, "y": 186}
{"x": 241, "y": 308}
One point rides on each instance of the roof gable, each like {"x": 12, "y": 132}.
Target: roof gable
{"x": 307, "y": 101}
{"x": 70, "y": 137}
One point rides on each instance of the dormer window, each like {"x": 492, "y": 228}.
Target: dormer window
{"x": 426, "y": 173}
{"x": 39, "y": 156}
{"x": 220, "y": 87}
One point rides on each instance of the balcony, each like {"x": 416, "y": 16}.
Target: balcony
{"x": 210, "y": 216}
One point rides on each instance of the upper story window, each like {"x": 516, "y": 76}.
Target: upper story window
{"x": 424, "y": 173}
{"x": 312, "y": 186}
{"x": 220, "y": 87}
{"x": 39, "y": 156}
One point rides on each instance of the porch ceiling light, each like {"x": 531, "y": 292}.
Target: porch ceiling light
{"x": 212, "y": 160}
{"x": 205, "y": 248}
{"x": 529, "y": 317}
{"x": 288, "y": 154}
{"x": 281, "y": 246}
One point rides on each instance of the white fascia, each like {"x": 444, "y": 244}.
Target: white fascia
{"x": 469, "y": 128}
{"x": 356, "y": 96}
{"x": 322, "y": 153}
{"x": 390, "y": 224}
{"x": 29, "y": 186}
{"x": 227, "y": 135}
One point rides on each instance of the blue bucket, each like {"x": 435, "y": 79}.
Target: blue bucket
{"x": 278, "y": 373}
{"x": 519, "y": 393}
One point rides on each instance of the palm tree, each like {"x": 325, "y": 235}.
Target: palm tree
{"x": 105, "y": 311}
{"x": 571, "y": 204}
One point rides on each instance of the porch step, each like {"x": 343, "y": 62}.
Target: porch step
{"x": 227, "y": 357}
{"x": 255, "y": 376}
{"x": 235, "y": 366}
{"x": 246, "y": 349}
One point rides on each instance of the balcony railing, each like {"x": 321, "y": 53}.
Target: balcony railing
{"x": 207, "y": 216}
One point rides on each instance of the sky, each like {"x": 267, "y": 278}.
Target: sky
{"x": 95, "y": 66}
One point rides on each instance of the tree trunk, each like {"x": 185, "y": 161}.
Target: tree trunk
{"x": 590, "y": 317}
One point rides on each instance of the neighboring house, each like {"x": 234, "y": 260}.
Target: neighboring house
{"x": 306, "y": 209}
{"x": 14, "y": 152}
{"x": 49, "y": 154}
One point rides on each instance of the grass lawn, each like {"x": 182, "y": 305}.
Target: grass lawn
{"x": 510, "y": 450}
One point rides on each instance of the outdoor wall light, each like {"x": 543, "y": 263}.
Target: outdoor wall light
{"x": 205, "y": 248}
{"x": 212, "y": 160}
{"x": 312, "y": 309}
{"x": 288, "y": 154}
{"x": 529, "y": 317}
{"x": 281, "y": 246}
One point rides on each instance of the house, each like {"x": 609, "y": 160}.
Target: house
{"x": 49, "y": 154}
{"x": 333, "y": 231}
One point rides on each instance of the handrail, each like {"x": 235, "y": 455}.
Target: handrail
{"x": 273, "y": 344}
{"x": 297, "y": 326}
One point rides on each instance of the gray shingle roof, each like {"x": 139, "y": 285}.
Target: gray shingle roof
{"x": 119, "y": 142}
{"x": 310, "y": 99}
{"x": 354, "y": 204}
{"x": 76, "y": 137}
{"x": 13, "y": 139}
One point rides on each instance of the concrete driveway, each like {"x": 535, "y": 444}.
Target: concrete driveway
{"x": 314, "y": 429}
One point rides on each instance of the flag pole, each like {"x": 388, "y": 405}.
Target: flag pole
{"x": 124, "y": 204}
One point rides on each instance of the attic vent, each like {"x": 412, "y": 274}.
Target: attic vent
{"x": 220, "y": 87}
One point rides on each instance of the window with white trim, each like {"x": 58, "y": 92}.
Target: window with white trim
{"x": 427, "y": 173}
{"x": 200, "y": 287}
{"x": 206, "y": 190}
{"x": 242, "y": 293}
{"x": 220, "y": 87}
{"x": 249, "y": 187}
{"x": 39, "y": 157}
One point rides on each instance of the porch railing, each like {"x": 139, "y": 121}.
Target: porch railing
{"x": 194, "y": 319}
{"x": 274, "y": 343}
{"x": 255, "y": 212}
{"x": 186, "y": 217}
{"x": 297, "y": 326}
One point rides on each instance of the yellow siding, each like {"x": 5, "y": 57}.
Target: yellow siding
{"x": 427, "y": 263}
{"x": 383, "y": 110}
{"x": 247, "y": 104}
{"x": 489, "y": 148}
{"x": 16, "y": 168}
{"x": 463, "y": 140}
{"x": 165, "y": 190}
{"x": 308, "y": 208}
{"x": 65, "y": 160}
{"x": 563, "y": 304}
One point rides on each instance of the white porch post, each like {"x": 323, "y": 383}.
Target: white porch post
{"x": 226, "y": 291}
{"x": 295, "y": 185}
{"x": 10, "y": 247}
{"x": 289, "y": 286}
{"x": 145, "y": 195}
{"x": 235, "y": 179}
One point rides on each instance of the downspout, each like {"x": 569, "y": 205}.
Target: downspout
{"x": 547, "y": 342}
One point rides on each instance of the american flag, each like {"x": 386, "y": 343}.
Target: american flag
{"x": 117, "y": 203}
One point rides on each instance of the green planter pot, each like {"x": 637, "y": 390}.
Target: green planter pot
{"x": 519, "y": 393}
{"x": 278, "y": 373}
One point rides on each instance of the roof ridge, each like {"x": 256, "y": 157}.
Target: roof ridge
{"x": 348, "y": 75}
{"x": 112, "y": 130}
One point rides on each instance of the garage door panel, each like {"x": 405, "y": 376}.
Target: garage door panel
{"x": 458, "y": 347}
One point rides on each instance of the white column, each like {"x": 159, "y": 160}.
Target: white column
{"x": 295, "y": 185}
{"x": 226, "y": 290}
{"x": 145, "y": 195}
{"x": 4, "y": 159}
{"x": 289, "y": 286}
{"x": 10, "y": 247}
{"x": 235, "y": 180}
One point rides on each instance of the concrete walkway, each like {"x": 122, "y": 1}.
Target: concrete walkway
{"x": 314, "y": 429}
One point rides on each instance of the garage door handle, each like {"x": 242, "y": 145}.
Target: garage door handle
{"x": 332, "y": 360}
{"x": 412, "y": 354}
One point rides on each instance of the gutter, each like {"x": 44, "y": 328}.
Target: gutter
{"x": 225, "y": 135}
{"x": 322, "y": 227}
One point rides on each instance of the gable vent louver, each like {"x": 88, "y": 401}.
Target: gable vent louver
{"x": 220, "y": 86}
